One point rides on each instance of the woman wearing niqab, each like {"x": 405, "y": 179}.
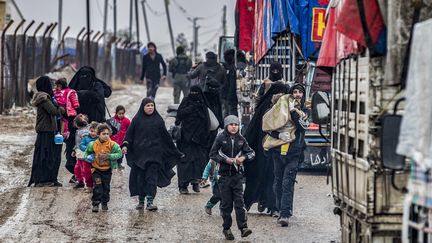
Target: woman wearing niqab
{"x": 193, "y": 116}
{"x": 91, "y": 93}
{"x": 259, "y": 172}
{"x": 150, "y": 153}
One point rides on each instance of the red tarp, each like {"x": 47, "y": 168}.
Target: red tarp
{"x": 335, "y": 46}
{"x": 349, "y": 22}
{"x": 245, "y": 10}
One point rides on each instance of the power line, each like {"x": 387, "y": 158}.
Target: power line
{"x": 154, "y": 12}
{"x": 99, "y": 8}
{"x": 217, "y": 33}
{"x": 183, "y": 10}
{"x": 210, "y": 31}
{"x": 190, "y": 16}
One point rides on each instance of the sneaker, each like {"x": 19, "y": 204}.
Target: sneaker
{"x": 88, "y": 190}
{"x": 261, "y": 208}
{"x": 275, "y": 214}
{"x": 95, "y": 209}
{"x": 151, "y": 207}
{"x": 228, "y": 234}
{"x": 140, "y": 206}
{"x": 104, "y": 206}
{"x": 195, "y": 187}
{"x": 57, "y": 184}
{"x": 245, "y": 232}
{"x": 72, "y": 180}
{"x": 284, "y": 221}
{"x": 204, "y": 184}
{"x": 208, "y": 210}
{"x": 79, "y": 185}
{"x": 54, "y": 184}
{"x": 184, "y": 191}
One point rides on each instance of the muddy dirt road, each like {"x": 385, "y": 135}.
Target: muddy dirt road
{"x": 64, "y": 214}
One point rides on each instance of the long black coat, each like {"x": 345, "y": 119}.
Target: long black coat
{"x": 258, "y": 171}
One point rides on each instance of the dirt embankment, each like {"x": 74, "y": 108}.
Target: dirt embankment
{"x": 16, "y": 142}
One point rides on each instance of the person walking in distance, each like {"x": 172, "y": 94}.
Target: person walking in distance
{"x": 179, "y": 67}
{"x": 151, "y": 69}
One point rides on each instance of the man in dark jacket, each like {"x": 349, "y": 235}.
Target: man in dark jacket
{"x": 229, "y": 90}
{"x": 208, "y": 70}
{"x": 286, "y": 159}
{"x": 179, "y": 67}
{"x": 151, "y": 69}
{"x": 231, "y": 150}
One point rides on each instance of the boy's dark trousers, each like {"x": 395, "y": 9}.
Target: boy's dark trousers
{"x": 231, "y": 192}
{"x": 101, "y": 186}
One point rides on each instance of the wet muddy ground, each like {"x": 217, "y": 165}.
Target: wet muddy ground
{"x": 64, "y": 214}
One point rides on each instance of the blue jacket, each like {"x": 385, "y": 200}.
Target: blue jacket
{"x": 85, "y": 142}
{"x": 206, "y": 172}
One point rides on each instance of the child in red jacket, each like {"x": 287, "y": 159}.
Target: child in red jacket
{"x": 124, "y": 125}
{"x": 68, "y": 99}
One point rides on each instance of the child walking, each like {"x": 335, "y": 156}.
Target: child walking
{"x": 68, "y": 99}
{"x": 230, "y": 150}
{"x": 211, "y": 170}
{"x": 84, "y": 135}
{"x": 124, "y": 125}
{"x": 106, "y": 153}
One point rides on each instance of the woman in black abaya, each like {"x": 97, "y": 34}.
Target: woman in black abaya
{"x": 193, "y": 116}
{"x": 259, "y": 172}
{"x": 47, "y": 154}
{"x": 151, "y": 154}
{"x": 91, "y": 93}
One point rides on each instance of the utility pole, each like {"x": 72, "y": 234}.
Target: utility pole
{"x": 130, "y": 19}
{"x": 105, "y": 21}
{"x": 115, "y": 17}
{"x": 224, "y": 29}
{"x": 60, "y": 13}
{"x": 114, "y": 48}
{"x": 145, "y": 20}
{"x": 169, "y": 26}
{"x": 137, "y": 24}
{"x": 88, "y": 32}
{"x": 195, "y": 37}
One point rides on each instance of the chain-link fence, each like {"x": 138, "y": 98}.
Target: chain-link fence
{"x": 26, "y": 56}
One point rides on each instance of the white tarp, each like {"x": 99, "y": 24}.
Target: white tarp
{"x": 415, "y": 139}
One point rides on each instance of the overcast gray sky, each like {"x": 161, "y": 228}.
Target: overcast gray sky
{"x": 74, "y": 16}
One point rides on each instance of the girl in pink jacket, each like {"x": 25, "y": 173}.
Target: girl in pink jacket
{"x": 68, "y": 99}
{"x": 124, "y": 125}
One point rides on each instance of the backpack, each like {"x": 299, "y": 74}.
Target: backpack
{"x": 182, "y": 65}
{"x": 209, "y": 76}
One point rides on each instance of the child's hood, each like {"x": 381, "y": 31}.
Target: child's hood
{"x": 39, "y": 98}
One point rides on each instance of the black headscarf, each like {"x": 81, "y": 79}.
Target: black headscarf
{"x": 148, "y": 141}
{"x": 212, "y": 96}
{"x": 300, "y": 87}
{"x": 43, "y": 84}
{"x": 193, "y": 115}
{"x": 91, "y": 93}
{"x": 85, "y": 79}
{"x": 275, "y": 71}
